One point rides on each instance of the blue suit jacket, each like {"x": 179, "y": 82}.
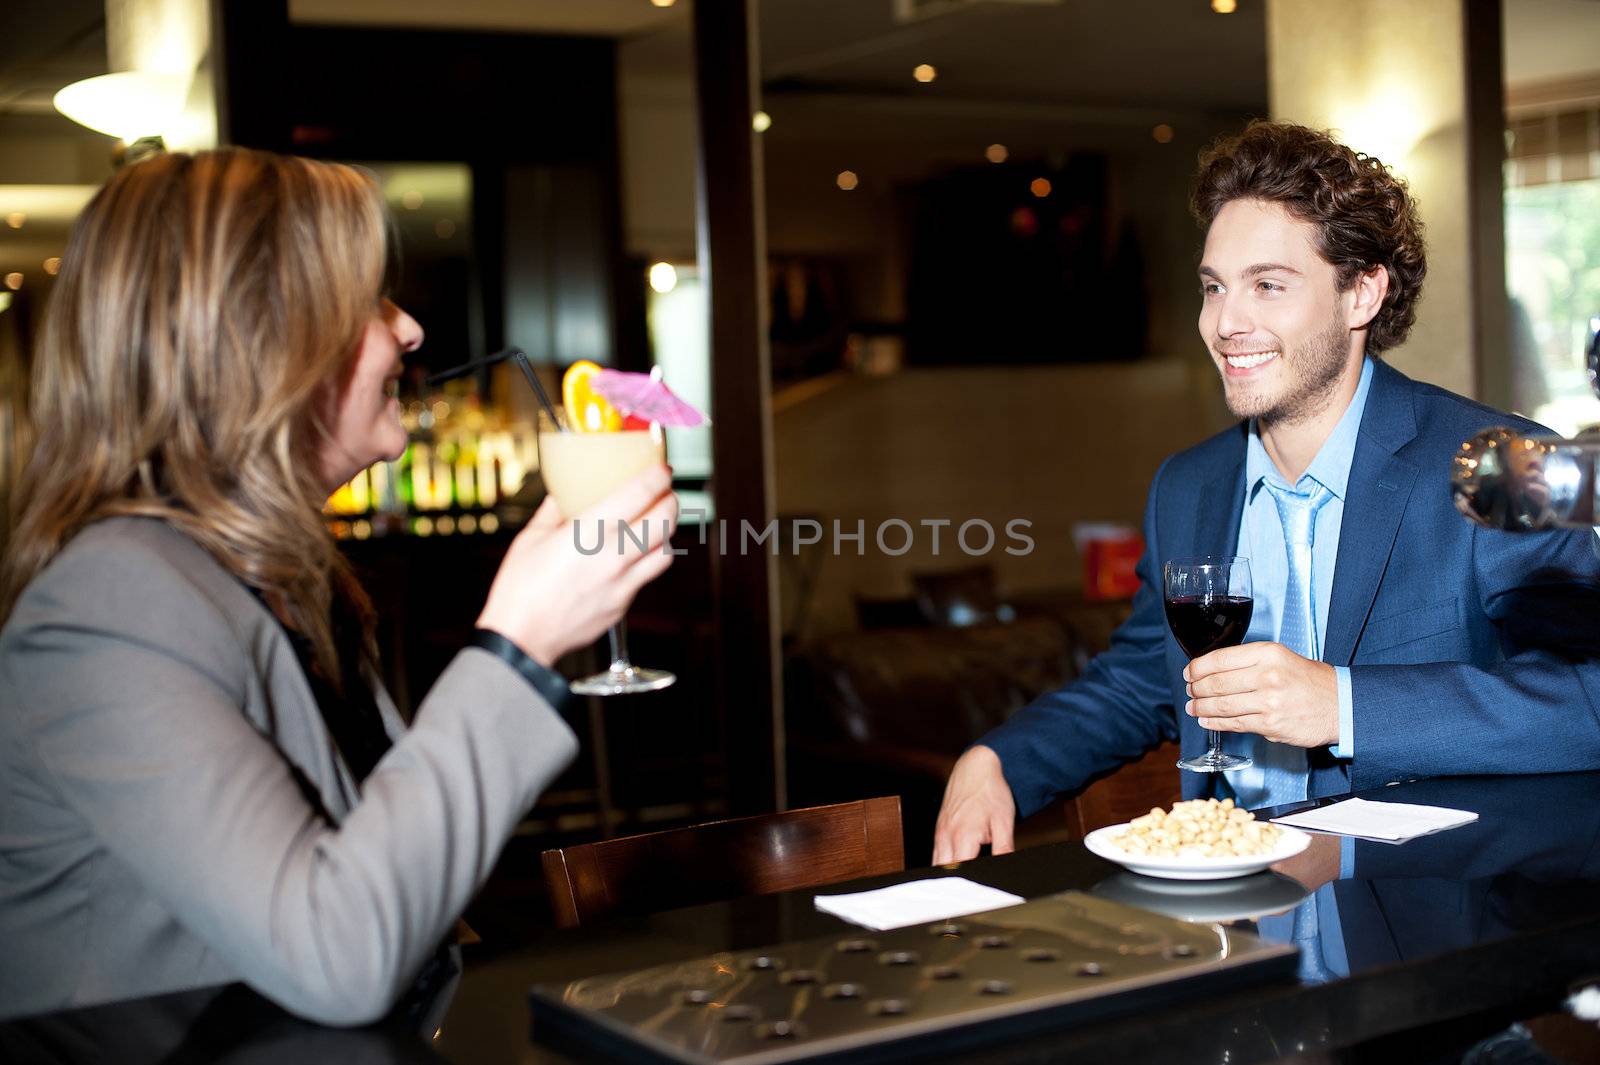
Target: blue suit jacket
{"x": 1471, "y": 651}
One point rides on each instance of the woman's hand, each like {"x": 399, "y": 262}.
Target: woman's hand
{"x": 549, "y": 598}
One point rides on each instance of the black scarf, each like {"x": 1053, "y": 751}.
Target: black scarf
{"x": 349, "y": 708}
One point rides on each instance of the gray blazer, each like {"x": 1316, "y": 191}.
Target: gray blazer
{"x": 156, "y": 737}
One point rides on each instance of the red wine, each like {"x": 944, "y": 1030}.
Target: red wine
{"x": 1203, "y": 623}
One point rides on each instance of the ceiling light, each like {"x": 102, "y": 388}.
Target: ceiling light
{"x": 130, "y": 105}
{"x": 1162, "y": 134}
{"x": 15, "y": 219}
{"x": 1224, "y": 7}
{"x": 663, "y": 3}
{"x": 663, "y": 278}
{"x": 52, "y": 265}
{"x": 761, "y": 122}
{"x": 996, "y": 153}
{"x": 1040, "y": 187}
{"x": 924, "y": 72}
{"x": 847, "y": 180}
{"x": 13, "y": 281}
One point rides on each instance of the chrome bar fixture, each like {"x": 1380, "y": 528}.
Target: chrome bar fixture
{"x": 1503, "y": 479}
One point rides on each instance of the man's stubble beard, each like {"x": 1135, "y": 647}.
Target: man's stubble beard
{"x": 1316, "y": 367}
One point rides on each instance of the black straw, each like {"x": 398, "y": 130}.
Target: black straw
{"x": 516, "y": 355}
{"x": 467, "y": 367}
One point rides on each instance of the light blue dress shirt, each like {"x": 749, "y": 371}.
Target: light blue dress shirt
{"x": 1261, "y": 541}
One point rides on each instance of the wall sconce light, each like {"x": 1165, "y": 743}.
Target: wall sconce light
{"x": 135, "y": 106}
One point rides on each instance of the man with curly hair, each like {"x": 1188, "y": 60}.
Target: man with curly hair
{"x": 1390, "y": 639}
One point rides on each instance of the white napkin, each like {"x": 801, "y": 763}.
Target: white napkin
{"x": 916, "y": 902}
{"x": 1387, "y": 822}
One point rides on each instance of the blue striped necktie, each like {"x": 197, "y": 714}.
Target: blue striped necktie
{"x": 1282, "y": 766}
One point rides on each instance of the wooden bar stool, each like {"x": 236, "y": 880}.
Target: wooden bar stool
{"x": 724, "y": 859}
{"x": 1130, "y": 792}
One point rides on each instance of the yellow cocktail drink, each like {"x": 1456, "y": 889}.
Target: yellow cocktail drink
{"x": 580, "y": 469}
{"x": 587, "y": 452}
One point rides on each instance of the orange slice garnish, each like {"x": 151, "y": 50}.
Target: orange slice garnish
{"x": 587, "y": 410}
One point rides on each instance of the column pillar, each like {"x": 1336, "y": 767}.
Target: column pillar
{"x": 732, "y": 260}
{"x": 1417, "y": 84}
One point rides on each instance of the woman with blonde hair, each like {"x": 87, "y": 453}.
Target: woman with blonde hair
{"x": 201, "y": 778}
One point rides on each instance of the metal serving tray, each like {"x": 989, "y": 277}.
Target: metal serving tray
{"x": 905, "y": 993}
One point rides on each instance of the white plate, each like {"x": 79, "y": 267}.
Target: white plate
{"x": 1290, "y": 843}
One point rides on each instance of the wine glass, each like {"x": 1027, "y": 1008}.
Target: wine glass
{"x": 579, "y": 470}
{"x": 1208, "y": 606}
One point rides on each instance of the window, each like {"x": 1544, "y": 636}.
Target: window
{"x": 1552, "y": 218}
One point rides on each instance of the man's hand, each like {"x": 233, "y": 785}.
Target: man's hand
{"x": 977, "y": 809}
{"x": 1267, "y": 689}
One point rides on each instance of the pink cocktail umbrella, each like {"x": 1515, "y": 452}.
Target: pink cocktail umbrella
{"x": 646, "y": 396}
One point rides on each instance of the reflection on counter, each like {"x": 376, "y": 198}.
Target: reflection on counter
{"x": 1243, "y": 898}
{"x": 1531, "y": 859}
{"x": 215, "y": 1025}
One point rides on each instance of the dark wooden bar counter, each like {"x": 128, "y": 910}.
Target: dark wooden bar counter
{"x": 1447, "y": 939}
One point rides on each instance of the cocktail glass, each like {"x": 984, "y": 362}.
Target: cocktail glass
{"x": 579, "y": 470}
